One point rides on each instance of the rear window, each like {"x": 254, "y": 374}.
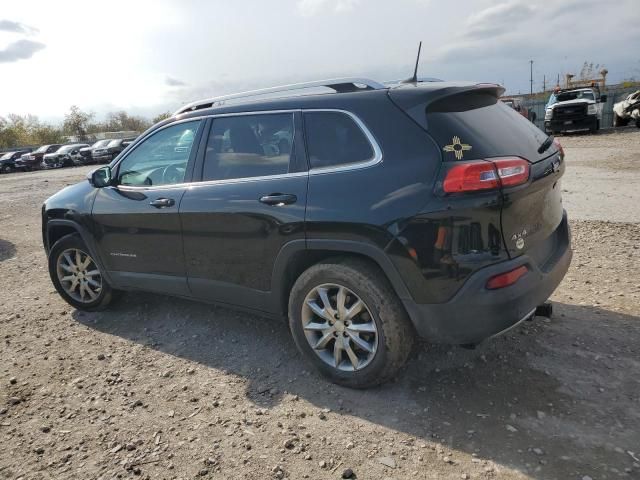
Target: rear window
{"x": 475, "y": 125}
{"x": 334, "y": 139}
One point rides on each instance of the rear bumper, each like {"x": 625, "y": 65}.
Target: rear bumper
{"x": 587, "y": 122}
{"x": 476, "y": 313}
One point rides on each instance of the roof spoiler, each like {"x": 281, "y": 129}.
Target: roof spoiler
{"x": 415, "y": 101}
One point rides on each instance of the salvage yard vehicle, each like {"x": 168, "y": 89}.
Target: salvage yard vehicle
{"x": 626, "y": 110}
{"x": 369, "y": 215}
{"x": 574, "y": 110}
{"x": 33, "y": 160}
{"x": 86, "y": 153}
{"x": 106, "y": 153}
{"x": 8, "y": 160}
{"x": 65, "y": 156}
{"x": 517, "y": 105}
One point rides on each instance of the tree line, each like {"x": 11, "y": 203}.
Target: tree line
{"x": 22, "y": 130}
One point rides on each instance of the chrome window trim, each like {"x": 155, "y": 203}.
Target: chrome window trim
{"x": 377, "y": 151}
{"x": 375, "y": 160}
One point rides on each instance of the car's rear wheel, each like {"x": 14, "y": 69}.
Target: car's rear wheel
{"x": 348, "y": 322}
{"x": 76, "y": 275}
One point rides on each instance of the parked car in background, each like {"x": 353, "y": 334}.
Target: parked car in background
{"x": 111, "y": 150}
{"x": 626, "y": 110}
{"x": 8, "y": 160}
{"x": 574, "y": 109}
{"x": 65, "y": 156}
{"x": 33, "y": 160}
{"x": 517, "y": 105}
{"x": 86, "y": 153}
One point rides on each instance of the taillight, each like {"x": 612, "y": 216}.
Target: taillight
{"x": 507, "y": 278}
{"x": 556, "y": 142}
{"x": 486, "y": 175}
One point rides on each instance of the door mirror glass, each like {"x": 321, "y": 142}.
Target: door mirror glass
{"x": 603, "y": 98}
{"x": 101, "y": 177}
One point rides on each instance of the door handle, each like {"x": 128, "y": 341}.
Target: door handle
{"x": 279, "y": 199}
{"x": 162, "y": 202}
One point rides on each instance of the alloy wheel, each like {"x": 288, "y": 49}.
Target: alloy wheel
{"x": 339, "y": 327}
{"x": 79, "y": 275}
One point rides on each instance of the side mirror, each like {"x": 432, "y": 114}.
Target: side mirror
{"x": 603, "y": 98}
{"x": 101, "y": 177}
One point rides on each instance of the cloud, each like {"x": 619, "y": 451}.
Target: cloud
{"x": 498, "y": 19}
{"x": 17, "y": 27}
{"x": 173, "y": 82}
{"x": 20, "y": 50}
{"x": 309, "y": 8}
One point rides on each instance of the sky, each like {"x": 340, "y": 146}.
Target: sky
{"x": 148, "y": 57}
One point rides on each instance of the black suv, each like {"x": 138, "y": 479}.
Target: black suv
{"x": 368, "y": 216}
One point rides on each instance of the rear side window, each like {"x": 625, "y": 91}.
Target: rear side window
{"x": 249, "y": 146}
{"x": 334, "y": 139}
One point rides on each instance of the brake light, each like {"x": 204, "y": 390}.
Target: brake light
{"x": 558, "y": 145}
{"x": 486, "y": 174}
{"x": 507, "y": 278}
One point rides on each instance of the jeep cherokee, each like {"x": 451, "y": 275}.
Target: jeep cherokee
{"x": 368, "y": 215}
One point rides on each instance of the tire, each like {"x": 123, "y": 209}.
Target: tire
{"x": 103, "y": 296}
{"x": 6, "y": 169}
{"x": 638, "y": 122}
{"x": 394, "y": 337}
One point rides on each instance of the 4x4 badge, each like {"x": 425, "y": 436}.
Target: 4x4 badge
{"x": 457, "y": 147}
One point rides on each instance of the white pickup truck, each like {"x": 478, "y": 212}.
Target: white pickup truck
{"x": 574, "y": 109}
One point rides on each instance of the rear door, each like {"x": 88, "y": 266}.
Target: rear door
{"x": 250, "y": 201}
{"x": 475, "y": 126}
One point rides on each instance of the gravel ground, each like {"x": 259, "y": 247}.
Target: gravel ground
{"x": 166, "y": 388}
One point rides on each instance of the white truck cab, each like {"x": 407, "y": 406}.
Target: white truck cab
{"x": 574, "y": 109}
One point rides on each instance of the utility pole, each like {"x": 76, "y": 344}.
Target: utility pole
{"x": 531, "y": 75}
{"x": 544, "y": 83}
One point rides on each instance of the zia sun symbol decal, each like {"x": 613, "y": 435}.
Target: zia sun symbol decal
{"x": 457, "y": 147}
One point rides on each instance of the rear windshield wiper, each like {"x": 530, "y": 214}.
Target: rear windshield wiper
{"x": 546, "y": 144}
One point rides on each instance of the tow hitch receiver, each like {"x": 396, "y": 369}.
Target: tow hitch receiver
{"x": 544, "y": 310}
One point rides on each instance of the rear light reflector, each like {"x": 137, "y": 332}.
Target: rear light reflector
{"x": 486, "y": 175}
{"x": 508, "y": 278}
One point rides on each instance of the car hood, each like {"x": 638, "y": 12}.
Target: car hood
{"x": 580, "y": 101}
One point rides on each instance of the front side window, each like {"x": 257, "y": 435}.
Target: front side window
{"x": 249, "y": 146}
{"x": 161, "y": 159}
{"x": 334, "y": 139}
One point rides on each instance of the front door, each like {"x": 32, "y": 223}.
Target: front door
{"x": 249, "y": 202}
{"x": 136, "y": 222}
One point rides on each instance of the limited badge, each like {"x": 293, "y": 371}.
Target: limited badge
{"x": 457, "y": 147}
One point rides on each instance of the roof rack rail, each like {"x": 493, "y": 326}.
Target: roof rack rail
{"x": 340, "y": 85}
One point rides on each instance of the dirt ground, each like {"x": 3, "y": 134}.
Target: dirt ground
{"x": 165, "y": 388}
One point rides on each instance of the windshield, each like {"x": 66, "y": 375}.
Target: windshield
{"x": 42, "y": 149}
{"x": 65, "y": 149}
{"x": 508, "y": 102}
{"x": 567, "y": 96}
{"x": 6, "y": 156}
{"x": 100, "y": 143}
{"x": 114, "y": 143}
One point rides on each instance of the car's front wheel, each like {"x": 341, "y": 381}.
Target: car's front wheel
{"x": 347, "y": 321}
{"x": 76, "y": 275}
